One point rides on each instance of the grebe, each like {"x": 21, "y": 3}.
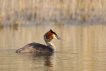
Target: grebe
{"x": 40, "y": 48}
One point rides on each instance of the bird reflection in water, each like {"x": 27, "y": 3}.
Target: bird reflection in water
{"x": 48, "y": 61}
{"x": 47, "y": 58}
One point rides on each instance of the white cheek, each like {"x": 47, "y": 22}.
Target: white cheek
{"x": 55, "y": 37}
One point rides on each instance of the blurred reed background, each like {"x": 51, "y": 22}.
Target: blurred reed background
{"x": 35, "y": 12}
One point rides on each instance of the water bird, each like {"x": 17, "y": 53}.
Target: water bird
{"x": 41, "y": 48}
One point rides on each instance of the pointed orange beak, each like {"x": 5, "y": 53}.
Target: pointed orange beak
{"x": 59, "y": 38}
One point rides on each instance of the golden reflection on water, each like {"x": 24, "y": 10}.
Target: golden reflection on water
{"x": 84, "y": 49}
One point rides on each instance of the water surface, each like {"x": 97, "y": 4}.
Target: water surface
{"x": 84, "y": 49}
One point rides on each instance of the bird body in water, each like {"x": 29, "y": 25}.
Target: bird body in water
{"x": 40, "y": 48}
